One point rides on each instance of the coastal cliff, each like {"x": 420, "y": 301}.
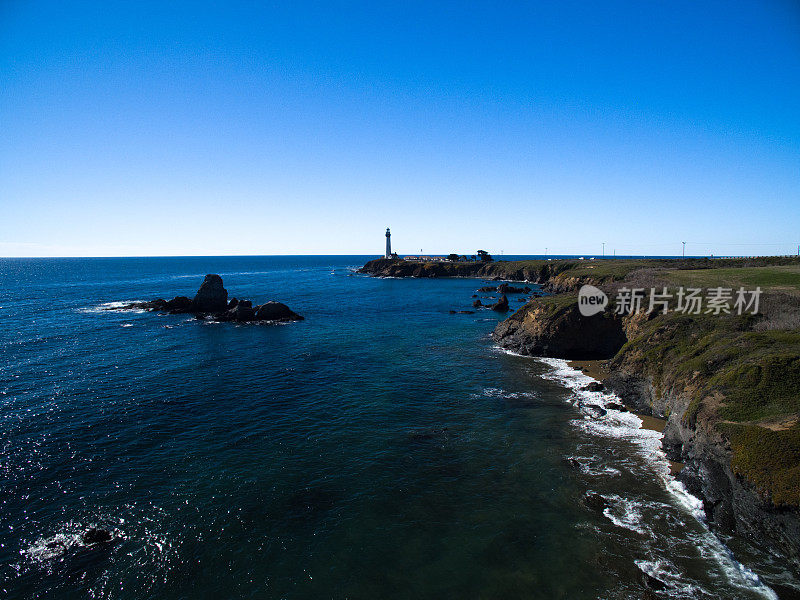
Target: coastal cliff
{"x": 728, "y": 386}
{"x": 556, "y": 275}
{"x": 387, "y": 267}
{"x": 555, "y": 328}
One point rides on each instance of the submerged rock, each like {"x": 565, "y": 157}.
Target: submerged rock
{"x": 431, "y": 433}
{"x": 651, "y": 582}
{"x": 95, "y": 536}
{"x": 593, "y": 410}
{"x": 595, "y": 502}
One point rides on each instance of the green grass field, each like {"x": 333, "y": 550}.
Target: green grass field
{"x": 784, "y": 278}
{"x": 743, "y": 370}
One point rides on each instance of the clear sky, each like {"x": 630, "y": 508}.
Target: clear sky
{"x": 159, "y": 128}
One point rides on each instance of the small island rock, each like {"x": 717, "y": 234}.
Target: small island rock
{"x": 501, "y": 305}
{"x": 211, "y": 302}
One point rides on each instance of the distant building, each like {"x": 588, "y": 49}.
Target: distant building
{"x": 388, "y": 244}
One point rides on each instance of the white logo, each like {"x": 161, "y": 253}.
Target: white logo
{"x": 591, "y": 300}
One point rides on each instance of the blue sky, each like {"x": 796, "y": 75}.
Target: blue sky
{"x": 144, "y": 128}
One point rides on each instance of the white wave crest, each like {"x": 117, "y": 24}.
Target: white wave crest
{"x": 627, "y": 426}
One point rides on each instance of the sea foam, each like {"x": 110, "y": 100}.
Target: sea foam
{"x": 628, "y": 426}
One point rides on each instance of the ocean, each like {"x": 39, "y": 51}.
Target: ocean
{"x": 381, "y": 448}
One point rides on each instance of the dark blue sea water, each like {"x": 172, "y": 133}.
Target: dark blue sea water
{"x": 382, "y": 448}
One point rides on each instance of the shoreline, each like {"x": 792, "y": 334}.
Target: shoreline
{"x": 597, "y": 370}
{"x": 568, "y": 375}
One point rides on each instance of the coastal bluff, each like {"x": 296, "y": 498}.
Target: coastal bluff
{"x": 728, "y": 385}
{"x": 558, "y": 330}
{"x": 211, "y": 303}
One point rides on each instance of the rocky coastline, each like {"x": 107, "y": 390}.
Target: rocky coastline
{"x": 763, "y": 510}
{"x": 675, "y": 369}
{"x": 731, "y": 502}
{"x": 211, "y": 303}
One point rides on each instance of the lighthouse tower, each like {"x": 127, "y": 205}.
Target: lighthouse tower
{"x": 388, "y": 244}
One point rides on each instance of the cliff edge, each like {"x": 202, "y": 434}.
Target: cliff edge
{"x": 727, "y": 384}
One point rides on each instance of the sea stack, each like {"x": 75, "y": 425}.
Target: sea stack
{"x": 211, "y": 303}
{"x": 211, "y": 297}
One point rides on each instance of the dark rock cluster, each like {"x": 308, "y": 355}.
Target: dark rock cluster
{"x": 211, "y": 302}
{"x": 505, "y": 288}
{"x": 501, "y": 305}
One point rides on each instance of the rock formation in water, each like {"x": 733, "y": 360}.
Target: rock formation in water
{"x": 211, "y": 297}
{"x": 501, "y": 305}
{"x": 211, "y": 302}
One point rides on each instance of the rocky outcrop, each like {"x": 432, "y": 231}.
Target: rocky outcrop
{"x": 594, "y": 386}
{"x": 275, "y": 311}
{"x": 505, "y": 288}
{"x": 241, "y": 310}
{"x": 501, "y": 305}
{"x": 211, "y": 297}
{"x": 211, "y": 302}
{"x": 546, "y": 327}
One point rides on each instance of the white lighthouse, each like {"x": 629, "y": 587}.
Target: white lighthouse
{"x": 388, "y": 244}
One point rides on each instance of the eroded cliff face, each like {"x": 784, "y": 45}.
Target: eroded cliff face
{"x": 553, "y": 327}
{"x": 730, "y": 502}
{"x": 558, "y": 330}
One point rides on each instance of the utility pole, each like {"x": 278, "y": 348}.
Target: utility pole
{"x": 683, "y": 252}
